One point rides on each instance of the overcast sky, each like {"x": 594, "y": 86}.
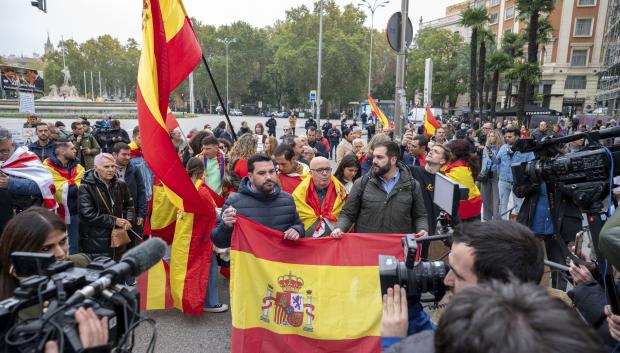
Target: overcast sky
{"x": 23, "y": 28}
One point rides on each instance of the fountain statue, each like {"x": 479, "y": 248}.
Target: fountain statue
{"x": 65, "y": 92}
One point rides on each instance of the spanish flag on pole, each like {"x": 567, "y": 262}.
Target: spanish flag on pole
{"x": 430, "y": 124}
{"x": 306, "y": 295}
{"x": 460, "y": 172}
{"x": 170, "y": 52}
{"x": 378, "y": 114}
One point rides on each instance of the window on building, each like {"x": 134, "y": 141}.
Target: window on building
{"x": 509, "y": 30}
{"x": 585, "y": 3}
{"x": 579, "y": 58}
{"x": 493, "y": 18}
{"x": 509, "y": 13}
{"x": 575, "y": 82}
{"x": 583, "y": 27}
{"x": 494, "y": 3}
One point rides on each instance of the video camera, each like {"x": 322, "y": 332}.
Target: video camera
{"x": 98, "y": 286}
{"x": 420, "y": 277}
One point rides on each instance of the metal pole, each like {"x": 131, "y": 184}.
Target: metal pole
{"x": 318, "y": 78}
{"x": 92, "y": 86}
{"x": 191, "y": 93}
{"x": 372, "y": 29}
{"x": 100, "y": 94}
{"x": 401, "y": 65}
{"x": 219, "y": 97}
{"x": 227, "y": 104}
{"x": 85, "y": 87}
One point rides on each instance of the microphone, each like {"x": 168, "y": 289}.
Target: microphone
{"x": 557, "y": 266}
{"x": 133, "y": 263}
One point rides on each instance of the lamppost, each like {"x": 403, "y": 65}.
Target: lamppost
{"x": 372, "y": 7}
{"x": 318, "y": 79}
{"x": 575, "y": 104}
{"x": 226, "y": 42}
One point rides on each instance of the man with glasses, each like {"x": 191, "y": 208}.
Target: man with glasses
{"x": 319, "y": 199}
{"x": 260, "y": 199}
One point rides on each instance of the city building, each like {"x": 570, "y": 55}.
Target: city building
{"x": 608, "y": 96}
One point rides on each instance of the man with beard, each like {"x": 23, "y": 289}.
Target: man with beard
{"x": 43, "y": 147}
{"x": 386, "y": 200}
{"x": 260, "y": 199}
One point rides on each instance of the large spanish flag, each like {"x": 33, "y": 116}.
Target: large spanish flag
{"x": 306, "y": 295}
{"x": 378, "y": 114}
{"x": 430, "y": 124}
{"x": 460, "y": 172}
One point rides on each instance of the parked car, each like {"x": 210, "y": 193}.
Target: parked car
{"x": 280, "y": 114}
{"x": 236, "y": 112}
{"x": 268, "y": 114}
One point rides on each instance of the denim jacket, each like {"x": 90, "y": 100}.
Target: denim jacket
{"x": 505, "y": 158}
{"x": 487, "y": 162}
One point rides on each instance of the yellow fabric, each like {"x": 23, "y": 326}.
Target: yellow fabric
{"x": 306, "y": 213}
{"x": 179, "y": 256}
{"x": 337, "y": 315}
{"x": 60, "y": 181}
{"x": 156, "y": 293}
{"x": 164, "y": 212}
{"x": 463, "y": 175}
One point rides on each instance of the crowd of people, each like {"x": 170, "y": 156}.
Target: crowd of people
{"x": 328, "y": 181}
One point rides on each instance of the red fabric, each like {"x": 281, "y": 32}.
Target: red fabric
{"x": 135, "y": 153}
{"x": 225, "y": 271}
{"x": 326, "y": 143}
{"x": 470, "y": 208}
{"x": 421, "y": 160}
{"x": 241, "y": 168}
{"x": 334, "y": 252}
{"x": 259, "y": 339}
{"x": 289, "y": 183}
{"x": 323, "y": 211}
{"x": 219, "y": 200}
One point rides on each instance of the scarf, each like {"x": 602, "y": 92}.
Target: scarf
{"x": 309, "y": 209}
{"x": 134, "y": 150}
{"x": 26, "y": 165}
{"x": 63, "y": 179}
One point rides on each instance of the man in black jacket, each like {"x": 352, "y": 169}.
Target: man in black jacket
{"x": 116, "y": 135}
{"x": 135, "y": 183}
{"x": 319, "y": 147}
{"x": 260, "y": 199}
{"x": 271, "y": 126}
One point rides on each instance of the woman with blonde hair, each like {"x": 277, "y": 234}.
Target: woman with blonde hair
{"x": 366, "y": 152}
{"x": 270, "y": 143}
{"x": 489, "y": 176}
{"x": 242, "y": 150}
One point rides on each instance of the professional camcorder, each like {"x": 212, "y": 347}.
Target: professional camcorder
{"x": 424, "y": 277}
{"x": 65, "y": 288}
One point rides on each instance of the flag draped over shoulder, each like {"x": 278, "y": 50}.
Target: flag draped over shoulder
{"x": 430, "y": 124}
{"x": 162, "y": 214}
{"x": 378, "y": 114}
{"x": 63, "y": 179}
{"x": 310, "y": 210}
{"x": 289, "y": 182}
{"x": 460, "y": 172}
{"x": 25, "y": 164}
{"x": 305, "y": 296}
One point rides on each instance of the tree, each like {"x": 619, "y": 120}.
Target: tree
{"x": 484, "y": 36}
{"x": 498, "y": 63}
{"x": 512, "y": 44}
{"x": 527, "y": 74}
{"x": 474, "y": 18}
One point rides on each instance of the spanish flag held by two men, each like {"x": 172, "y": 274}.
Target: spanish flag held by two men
{"x": 430, "y": 124}
{"x": 170, "y": 51}
{"x": 306, "y": 295}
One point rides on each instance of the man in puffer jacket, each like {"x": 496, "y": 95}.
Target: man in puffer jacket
{"x": 260, "y": 199}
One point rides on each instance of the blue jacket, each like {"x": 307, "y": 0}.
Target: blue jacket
{"x": 505, "y": 158}
{"x": 23, "y": 187}
{"x": 276, "y": 210}
{"x": 147, "y": 178}
{"x": 136, "y": 186}
{"x": 42, "y": 152}
{"x": 487, "y": 162}
{"x": 418, "y": 321}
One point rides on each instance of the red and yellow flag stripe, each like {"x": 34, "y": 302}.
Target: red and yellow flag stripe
{"x": 430, "y": 124}
{"x": 154, "y": 287}
{"x": 378, "y": 114}
{"x": 315, "y": 286}
{"x": 460, "y": 172}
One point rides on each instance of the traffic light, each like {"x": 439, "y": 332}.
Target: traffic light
{"x": 40, "y": 4}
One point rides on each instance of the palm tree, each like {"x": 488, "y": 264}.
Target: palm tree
{"x": 475, "y": 18}
{"x": 498, "y": 63}
{"x": 512, "y": 44}
{"x": 527, "y": 74}
{"x": 484, "y": 36}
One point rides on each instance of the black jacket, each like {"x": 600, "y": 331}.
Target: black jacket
{"x": 135, "y": 184}
{"x": 590, "y": 300}
{"x": 42, "y": 152}
{"x": 276, "y": 210}
{"x": 109, "y": 142}
{"x": 96, "y": 222}
{"x": 72, "y": 197}
{"x": 321, "y": 149}
{"x": 271, "y": 124}
{"x": 310, "y": 123}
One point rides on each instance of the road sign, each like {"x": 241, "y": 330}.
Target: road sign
{"x": 312, "y": 95}
{"x": 393, "y": 31}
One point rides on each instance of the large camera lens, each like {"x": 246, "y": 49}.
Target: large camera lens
{"x": 427, "y": 276}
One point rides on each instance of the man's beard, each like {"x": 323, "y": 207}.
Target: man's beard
{"x": 264, "y": 189}
{"x": 381, "y": 171}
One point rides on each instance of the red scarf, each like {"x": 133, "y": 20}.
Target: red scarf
{"x": 323, "y": 211}
{"x": 289, "y": 183}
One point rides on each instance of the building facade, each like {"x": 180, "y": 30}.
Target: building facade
{"x": 608, "y": 97}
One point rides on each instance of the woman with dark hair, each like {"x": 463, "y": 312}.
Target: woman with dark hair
{"x": 34, "y": 230}
{"x": 194, "y": 146}
{"x": 348, "y": 171}
{"x": 259, "y": 129}
{"x": 464, "y": 169}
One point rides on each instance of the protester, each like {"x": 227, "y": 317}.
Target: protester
{"x": 319, "y": 199}
{"x": 307, "y": 155}
{"x": 194, "y": 145}
{"x": 221, "y": 131}
{"x": 31, "y": 122}
{"x": 388, "y": 200}
{"x": 105, "y": 203}
{"x": 298, "y": 147}
{"x": 242, "y": 150}
{"x": 259, "y": 198}
{"x": 177, "y": 137}
{"x": 128, "y": 172}
{"x": 464, "y": 169}
{"x": 357, "y": 144}
{"x": 333, "y": 135}
{"x": 116, "y": 134}
{"x": 292, "y": 122}
{"x": 345, "y": 146}
{"x": 541, "y": 132}
{"x": 348, "y": 171}
{"x": 225, "y": 146}
{"x": 214, "y": 164}
{"x": 370, "y": 129}
{"x": 290, "y": 171}
{"x": 54, "y": 132}
{"x": 244, "y": 129}
{"x": 139, "y": 163}
{"x": 86, "y": 145}
{"x": 270, "y": 145}
{"x": 259, "y": 131}
{"x": 67, "y": 174}
{"x": 44, "y": 146}
{"x": 366, "y": 152}
{"x": 417, "y": 148}
{"x": 313, "y": 141}
{"x": 271, "y": 126}
{"x": 310, "y": 123}
{"x": 489, "y": 177}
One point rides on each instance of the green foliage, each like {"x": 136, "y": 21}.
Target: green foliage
{"x": 474, "y": 17}
{"x": 530, "y": 73}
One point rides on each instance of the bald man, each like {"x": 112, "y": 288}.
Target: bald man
{"x": 319, "y": 199}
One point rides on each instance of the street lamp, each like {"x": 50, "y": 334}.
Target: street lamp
{"x": 226, "y": 42}
{"x": 318, "y": 74}
{"x": 575, "y": 104}
{"x": 372, "y": 7}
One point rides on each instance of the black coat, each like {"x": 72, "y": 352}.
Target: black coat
{"x": 113, "y": 137}
{"x": 96, "y": 222}
{"x": 321, "y": 149}
{"x": 310, "y": 123}
{"x": 590, "y": 300}
{"x": 276, "y": 210}
{"x": 135, "y": 184}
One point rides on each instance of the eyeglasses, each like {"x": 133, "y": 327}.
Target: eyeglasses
{"x": 322, "y": 170}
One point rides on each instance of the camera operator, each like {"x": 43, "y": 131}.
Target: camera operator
{"x": 34, "y": 230}
{"x": 93, "y": 333}
{"x": 481, "y": 252}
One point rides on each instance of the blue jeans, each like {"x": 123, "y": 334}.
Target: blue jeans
{"x": 505, "y": 190}
{"x": 213, "y": 296}
{"x": 73, "y": 231}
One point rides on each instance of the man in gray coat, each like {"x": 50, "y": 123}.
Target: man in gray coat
{"x": 387, "y": 200}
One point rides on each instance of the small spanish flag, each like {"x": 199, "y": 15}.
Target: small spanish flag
{"x": 306, "y": 295}
{"x": 378, "y": 114}
{"x": 430, "y": 124}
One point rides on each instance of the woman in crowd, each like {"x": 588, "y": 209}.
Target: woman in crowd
{"x": 105, "y": 204}
{"x": 241, "y": 151}
{"x": 489, "y": 176}
{"x": 259, "y": 129}
{"x": 194, "y": 146}
{"x": 348, "y": 171}
{"x": 270, "y": 143}
{"x": 225, "y": 146}
{"x": 464, "y": 169}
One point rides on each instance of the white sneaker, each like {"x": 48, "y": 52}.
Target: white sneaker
{"x": 219, "y": 308}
